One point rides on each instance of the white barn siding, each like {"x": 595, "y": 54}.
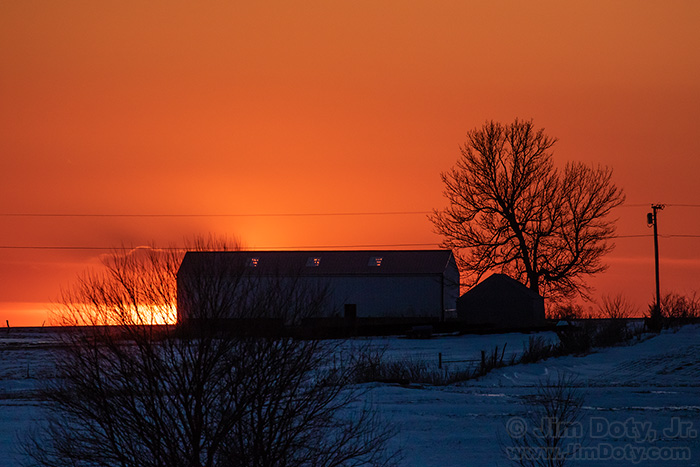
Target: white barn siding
{"x": 387, "y": 296}
{"x": 407, "y": 284}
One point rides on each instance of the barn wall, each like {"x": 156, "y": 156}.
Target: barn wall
{"x": 501, "y": 308}
{"x": 450, "y": 282}
{"x": 374, "y": 296}
{"x": 213, "y": 297}
{"x": 387, "y": 296}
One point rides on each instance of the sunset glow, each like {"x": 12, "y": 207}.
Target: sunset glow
{"x": 326, "y": 125}
{"x": 154, "y": 314}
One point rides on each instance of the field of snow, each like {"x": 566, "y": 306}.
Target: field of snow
{"x": 642, "y": 402}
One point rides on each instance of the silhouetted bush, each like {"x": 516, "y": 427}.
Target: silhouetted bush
{"x": 568, "y": 312}
{"x": 408, "y": 370}
{"x": 615, "y": 326}
{"x": 538, "y": 348}
{"x": 616, "y": 307}
{"x": 493, "y": 360}
{"x": 575, "y": 338}
{"x": 132, "y": 394}
{"x": 679, "y": 310}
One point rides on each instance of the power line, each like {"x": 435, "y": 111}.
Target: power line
{"x": 287, "y": 247}
{"x": 283, "y": 247}
{"x": 273, "y": 214}
{"x": 298, "y": 214}
{"x": 269, "y": 214}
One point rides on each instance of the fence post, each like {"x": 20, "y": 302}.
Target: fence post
{"x": 440, "y": 360}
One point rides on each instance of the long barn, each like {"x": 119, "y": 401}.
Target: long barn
{"x": 386, "y": 284}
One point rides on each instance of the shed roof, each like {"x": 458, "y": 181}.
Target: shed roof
{"x": 325, "y": 263}
{"x": 498, "y": 282}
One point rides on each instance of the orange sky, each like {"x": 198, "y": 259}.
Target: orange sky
{"x": 327, "y": 107}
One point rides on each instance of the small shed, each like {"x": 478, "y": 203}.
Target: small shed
{"x": 501, "y": 302}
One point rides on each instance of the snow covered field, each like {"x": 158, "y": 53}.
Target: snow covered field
{"x": 642, "y": 401}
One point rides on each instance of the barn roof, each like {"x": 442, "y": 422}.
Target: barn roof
{"x": 324, "y": 263}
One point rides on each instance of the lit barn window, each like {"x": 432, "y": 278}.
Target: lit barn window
{"x": 313, "y": 261}
{"x": 253, "y": 262}
{"x": 375, "y": 261}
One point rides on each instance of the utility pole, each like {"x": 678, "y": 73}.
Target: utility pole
{"x": 652, "y": 219}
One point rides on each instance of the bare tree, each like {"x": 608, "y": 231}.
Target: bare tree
{"x": 511, "y": 211}
{"x": 129, "y": 392}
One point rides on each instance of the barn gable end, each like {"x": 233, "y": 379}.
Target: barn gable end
{"x": 501, "y": 302}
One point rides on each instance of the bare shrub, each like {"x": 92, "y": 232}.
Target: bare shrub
{"x": 551, "y": 431}
{"x": 371, "y": 365}
{"x": 575, "y": 338}
{"x": 457, "y": 376}
{"x": 538, "y": 348}
{"x": 493, "y": 360}
{"x": 368, "y": 363}
{"x": 674, "y": 310}
{"x": 406, "y": 370}
{"x": 616, "y": 307}
{"x": 680, "y": 309}
{"x": 130, "y": 393}
{"x": 611, "y": 327}
{"x": 614, "y": 328}
{"x": 568, "y": 312}
{"x": 411, "y": 370}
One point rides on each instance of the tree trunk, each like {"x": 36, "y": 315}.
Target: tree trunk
{"x": 534, "y": 283}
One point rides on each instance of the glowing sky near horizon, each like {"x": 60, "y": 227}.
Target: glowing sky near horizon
{"x": 282, "y": 107}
